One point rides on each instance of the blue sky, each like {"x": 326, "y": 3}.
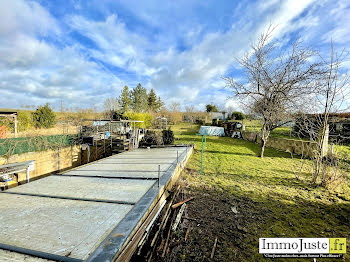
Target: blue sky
{"x": 82, "y": 52}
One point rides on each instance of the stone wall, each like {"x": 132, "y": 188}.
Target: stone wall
{"x": 299, "y": 147}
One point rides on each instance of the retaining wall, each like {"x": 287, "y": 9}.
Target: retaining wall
{"x": 299, "y": 147}
{"x": 50, "y": 161}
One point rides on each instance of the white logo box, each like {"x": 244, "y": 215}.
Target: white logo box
{"x": 293, "y": 245}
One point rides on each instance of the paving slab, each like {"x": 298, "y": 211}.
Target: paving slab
{"x": 77, "y": 229}
{"x": 114, "y": 174}
{"x": 124, "y": 168}
{"x": 58, "y": 226}
{"x": 154, "y": 153}
{"x": 93, "y": 188}
{"x": 9, "y": 256}
{"x": 144, "y": 161}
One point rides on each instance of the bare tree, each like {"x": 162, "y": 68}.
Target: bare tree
{"x": 175, "y": 114}
{"x": 275, "y": 82}
{"x": 111, "y": 105}
{"x": 174, "y": 107}
{"x": 329, "y": 100}
{"x": 190, "y": 113}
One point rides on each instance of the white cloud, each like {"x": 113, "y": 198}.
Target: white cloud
{"x": 340, "y": 32}
{"x": 35, "y": 72}
{"x": 28, "y": 17}
{"x": 116, "y": 45}
{"x": 33, "y": 64}
{"x": 202, "y": 65}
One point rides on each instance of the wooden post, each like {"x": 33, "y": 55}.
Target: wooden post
{"x": 15, "y": 118}
{"x": 158, "y": 175}
{"x": 110, "y": 135}
{"x": 28, "y": 174}
{"x": 96, "y": 151}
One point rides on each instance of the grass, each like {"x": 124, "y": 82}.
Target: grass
{"x": 271, "y": 200}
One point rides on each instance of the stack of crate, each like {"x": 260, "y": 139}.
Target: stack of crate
{"x": 120, "y": 145}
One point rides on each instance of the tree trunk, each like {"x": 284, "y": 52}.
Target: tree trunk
{"x": 264, "y": 136}
{"x": 262, "y": 148}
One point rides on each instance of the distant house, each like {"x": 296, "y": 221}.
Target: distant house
{"x": 339, "y": 125}
{"x": 13, "y": 115}
{"x": 218, "y": 115}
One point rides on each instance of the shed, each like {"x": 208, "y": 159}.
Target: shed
{"x": 11, "y": 114}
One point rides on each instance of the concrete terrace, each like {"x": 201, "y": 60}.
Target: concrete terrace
{"x": 90, "y": 213}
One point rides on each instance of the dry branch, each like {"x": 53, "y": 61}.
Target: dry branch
{"x": 181, "y": 203}
{"x": 213, "y": 250}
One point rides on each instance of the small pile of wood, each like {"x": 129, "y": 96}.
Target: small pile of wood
{"x": 158, "y": 137}
{"x": 159, "y": 240}
{"x": 120, "y": 145}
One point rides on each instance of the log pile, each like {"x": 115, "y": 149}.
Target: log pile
{"x": 158, "y": 137}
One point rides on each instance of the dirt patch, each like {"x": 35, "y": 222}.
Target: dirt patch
{"x": 212, "y": 214}
{"x": 237, "y": 222}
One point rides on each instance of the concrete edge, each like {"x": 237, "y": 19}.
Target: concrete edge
{"x": 113, "y": 245}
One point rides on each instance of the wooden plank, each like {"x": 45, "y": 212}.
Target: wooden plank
{"x": 178, "y": 217}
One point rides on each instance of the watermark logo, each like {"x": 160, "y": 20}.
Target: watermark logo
{"x": 302, "y": 247}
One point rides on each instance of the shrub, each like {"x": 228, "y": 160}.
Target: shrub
{"x": 238, "y": 115}
{"x": 211, "y": 108}
{"x": 146, "y": 117}
{"x": 25, "y": 121}
{"x": 44, "y": 117}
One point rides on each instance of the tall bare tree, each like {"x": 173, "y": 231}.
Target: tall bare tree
{"x": 175, "y": 114}
{"x": 111, "y": 105}
{"x": 329, "y": 101}
{"x": 275, "y": 81}
{"x": 190, "y": 113}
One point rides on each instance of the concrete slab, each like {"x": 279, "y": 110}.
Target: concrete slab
{"x": 121, "y": 168}
{"x": 114, "y": 174}
{"x": 81, "y": 229}
{"x": 128, "y": 161}
{"x": 62, "y": 227}
{"x": 8, "y": 256}
{"x": 154, "y": 153}
{"x": 87, "y": 187}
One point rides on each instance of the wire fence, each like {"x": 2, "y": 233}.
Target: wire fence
{"x": 12, "y": 146}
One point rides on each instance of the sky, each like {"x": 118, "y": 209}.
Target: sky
{"x": 82, "y": 52}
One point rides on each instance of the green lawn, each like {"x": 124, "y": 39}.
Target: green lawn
{"x": 271, "y": 202}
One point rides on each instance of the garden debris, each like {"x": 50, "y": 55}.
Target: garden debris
{"x": 187, "y": 232}
{"x": 240, "y": 228}
{"x": 166, "y": 242}
{"x": 158, "y": 137}
{"x": 178, "y": 217}
{"x": 234, "y": 210}
{"x": 182, "y": 202}
{"x": 213, "y": 250}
